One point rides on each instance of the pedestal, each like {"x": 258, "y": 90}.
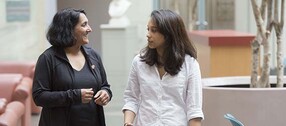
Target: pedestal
{"x": 223, "y": 52}
{"x": 119, "y": 46}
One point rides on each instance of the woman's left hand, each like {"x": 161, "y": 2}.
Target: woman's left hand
{"x": 101, "y": 97}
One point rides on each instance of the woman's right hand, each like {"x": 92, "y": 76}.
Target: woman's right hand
{"x": 86, "y": 95}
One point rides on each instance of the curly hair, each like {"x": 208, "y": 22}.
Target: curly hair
{"x": 61, "y": 30}
{"x": 177, "y": 42}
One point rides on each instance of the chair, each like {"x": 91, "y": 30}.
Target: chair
{"x": 11, "y": 113}
{"x": 16, "y": 87}
{"x": 26, "y": 68}
{"x": 233, "y": 120}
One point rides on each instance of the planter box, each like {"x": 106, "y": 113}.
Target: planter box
{"x": 252, "y": 106}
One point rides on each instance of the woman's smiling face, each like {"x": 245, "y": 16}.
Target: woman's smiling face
{"x": 82, "y": 29}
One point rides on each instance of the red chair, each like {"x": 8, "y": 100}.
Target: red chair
{"x": 15, "y": 87}
{"x": 11, "y": 113}
{"x": 23, "y": 67}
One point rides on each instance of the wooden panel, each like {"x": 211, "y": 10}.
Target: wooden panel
{"x": 230, "y": 61}
{"x": 223, "y": 52}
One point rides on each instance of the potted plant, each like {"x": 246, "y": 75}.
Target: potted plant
{"x": 258, "y": 105}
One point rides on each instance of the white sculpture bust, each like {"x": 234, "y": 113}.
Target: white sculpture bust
{"x": 117, "y": 10}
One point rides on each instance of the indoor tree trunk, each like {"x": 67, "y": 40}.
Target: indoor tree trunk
{"x": 278, "y": 25}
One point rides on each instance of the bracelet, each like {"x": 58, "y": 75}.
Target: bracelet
{"x": 128, "y": 124}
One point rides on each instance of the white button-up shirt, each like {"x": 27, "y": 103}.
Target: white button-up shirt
{"x": 170, "y": 101}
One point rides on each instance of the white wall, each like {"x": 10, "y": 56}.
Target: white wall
{"x": 23, "y": 40}
{"x": 2, "y": 12}
{"x": 50, "y": 11}
{"x": 139, "y": 13}
{"x": 244, "y": 17}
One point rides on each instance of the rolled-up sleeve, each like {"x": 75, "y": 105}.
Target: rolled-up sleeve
{"x": 132, "y": 91}
{"x": 194, "y": 91}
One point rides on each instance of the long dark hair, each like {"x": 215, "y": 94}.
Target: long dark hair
{"x": 61, "y": 30}
{"x": 177, "y": 42}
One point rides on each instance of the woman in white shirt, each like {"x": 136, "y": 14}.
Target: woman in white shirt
{"x": 164, "y": 85}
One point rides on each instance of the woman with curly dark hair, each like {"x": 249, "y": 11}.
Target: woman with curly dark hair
{"x": 70, "y": 82}
{"x": 164, "y": 85}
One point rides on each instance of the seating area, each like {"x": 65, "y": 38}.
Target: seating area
{"x": 16, "y": 103}
{"x": 26, "y": 69}
{"x": 11, "y": 113}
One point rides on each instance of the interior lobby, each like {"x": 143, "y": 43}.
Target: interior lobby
{"x": 24, "y": 24}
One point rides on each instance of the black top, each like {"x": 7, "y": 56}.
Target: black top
{"x": 84, "y": 114}
{"x": 55, "y": 86}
